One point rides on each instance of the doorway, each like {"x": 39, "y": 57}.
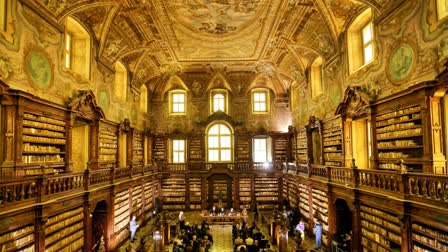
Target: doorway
{"x": 343, "y": 217}
{"x": 220, "y": 191}
{"x": 99, "y": 222}
{"x": 80, "y": 145}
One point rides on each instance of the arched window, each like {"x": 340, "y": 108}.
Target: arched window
{"x": 76, "y": 48}
{"x": 143, "y": 99}
{"x": 360, "y": 41}
{"x": 316, "y": 77}
{"x": 219, "y": 143}
{"x": 121, "y": 82}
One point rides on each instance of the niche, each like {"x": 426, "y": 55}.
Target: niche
{"x": 122, "y": 146}
{"x": 317, "y": 148}
{"x": 80, "y": 145}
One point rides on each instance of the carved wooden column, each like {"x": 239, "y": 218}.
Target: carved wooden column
{"x": 187, "y": 191}
{"x": 332, "y": 229}
{"x": 203, "y": 193}
{"x": 252, "y": 191}
{"x": 236, "y": 189}
{"x": 356, "y": 225}
{"x": 19, "y": 171}
{"x": 436, "y": 133}
{"x": 110, "y": 241}
{"x": 8, "y": 126}
{"x": 69, "y": 123}
{"x": 94, "y": 144}
{"x": 347, "y": 136}
{"x": 280, "y": 191}
{"x": 39, "y": 229}
{"x": 129, "y": 147}
{"x": 87, "y": 228}
{"x": 406, "y": 229}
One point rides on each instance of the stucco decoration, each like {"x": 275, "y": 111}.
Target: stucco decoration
{"x": 134, "y": 115}
{"x": 6, "y": 67}
{"x": 103, "y": 99}
{"x": 39, "y": 70}
{"x": 303, "y": 111}
{"x": 214, "y": 16}
{"x": 335, "y": 95}
{"x": 401, "y": 62}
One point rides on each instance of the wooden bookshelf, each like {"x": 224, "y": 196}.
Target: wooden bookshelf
{"x": 320, "y": 211}
{"x": 285, "y": 190}
{"x": 121, "y": 213}
{"x": 65, "y": 231}
{"x": 245, "y": 191}
{"x": 280, "y": 145}
{"x": 302, "y": 145}
{"x": 293, "y": 192}
{"x": 242, "y": 147}
{"x": 399, "y": 136}
{"x": 137, "y": 147}
{"x": 266, "y": 192}
{"x": 44, "y": 142}
{"x": 195, "y": 145}
{"x": 220, "y": 185}
{"x": 137, "y": 203}
{"x": 149, "y": 195}
{"x": 332, "y": 139}
{"x": 108, "y": 143}
{"x": 20, "y": 239}
{"x": 427, "y": 238}
{"x": 304, "y": 200}
{"x": 195, "y": 193}
{"x": 380, "y": 230}
{"x": 173, "y": 191}
{"x": 159, "y": 147}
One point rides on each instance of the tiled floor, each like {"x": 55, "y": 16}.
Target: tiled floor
{"x": 222, "y": 235}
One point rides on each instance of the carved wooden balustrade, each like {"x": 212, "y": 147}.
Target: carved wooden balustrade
{"x": 319, "y": 171}
{"x": 100, "y": 176}
{"x": 18, "y": 190}
{"x": 64, "y": 183}
{"x": 380, "y": 180}
{"x": 341, "y": 175}
{"x": 428, "y": 186}
{"x": 124, "y": 172}
{"x": 238, "y": 166}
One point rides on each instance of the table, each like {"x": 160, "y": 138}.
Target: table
{"x": 223, "y": 219}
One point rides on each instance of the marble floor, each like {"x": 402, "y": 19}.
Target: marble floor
{"x": 222, "y": 236}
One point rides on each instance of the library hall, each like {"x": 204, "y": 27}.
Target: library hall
{"x": 224, "y": 125}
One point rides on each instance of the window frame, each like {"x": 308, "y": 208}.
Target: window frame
{"x": 171, "y": 102}
{"x": 122, "y": 87}
{"x": 267, "y": 103}
{"x": 222, "y": 92}
{"x": 368, "y": 43}
{"x": 219, "y": 148}
{"x": 67, "y": 50}
{"x": 77, "y": 32}
{"x": 178, "y": 153}
{"x": 441, "y": 13}
{"x": 313, "y": 67}
{"x": 143, "y": 99}
{"x": 267, "y": 146}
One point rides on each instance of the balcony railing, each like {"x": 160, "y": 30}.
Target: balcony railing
{"x": 238, "y": 166}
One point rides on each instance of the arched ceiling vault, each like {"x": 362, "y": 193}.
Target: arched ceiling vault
{"x": 200, "y": 35}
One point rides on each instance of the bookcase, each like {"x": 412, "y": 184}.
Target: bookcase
{"x": 137, "y": 201}
{"x": 242, "y": 147}
{"x": 245, "y": 191}
{"x": 159, "y": 148}
{"x": 65, "y": 231}
{"x": 108, "y": 143}
{"x": 292, "y": 192}
{"x": 148, "y": 193}
{"x": 121, "y": 213}
{"x": 44, "y": 142}
{"x": 266, "y": 192}
{"x": 332, "y": 139}
{"x": 320, "y": 211}
{"x": 380, "y": 230}
{"x": 427, "y": 238}
{"x": 137, "y": 147}
{"x": 399, "y": 136}
{"x": 20, "y": 239}
{"x": 195, "y": 144}
{"x": 304, "y": 200}
{"x": 280, "y": 144}
{"x": 301, "y": 145}
{"x": 220, "y": 185}
{"x": 173, "y": 191}
{"x": 195, "y": 193}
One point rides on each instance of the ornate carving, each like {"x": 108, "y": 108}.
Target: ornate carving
{"x": 197, "y": 88}
{"x": 324, "y": 42}
{"x": 84, "y": 105}
{"x": 125, "y": 126}
{"x": 6, "y": 67}
{"x": 353, "y": 104}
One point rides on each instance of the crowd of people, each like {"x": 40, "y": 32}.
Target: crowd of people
{"x": 249, "y": 238}
{"x": 192, "y": 238}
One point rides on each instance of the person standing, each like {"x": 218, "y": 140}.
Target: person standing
{"x": 301, "y": 229}
{"x": 133, "y": 227}
{"x": 181, "y": 220}
{"x": 318, "y": 233}
{"x": 256, "y": 212}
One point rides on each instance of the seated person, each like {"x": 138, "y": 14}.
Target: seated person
{"x": 249, "y": 240}
{"x": 263, "y": 242}
{"x": 231, "y": 211}
{"x": 241, "y": 246}
{"x": 222, "y": 212}
{"x": 244, "y": 211}
{"x": 213, "y": 211}
{"x": 238, "y": 240}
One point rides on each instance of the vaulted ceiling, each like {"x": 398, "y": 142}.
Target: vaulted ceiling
{"x": 159, "y": 37}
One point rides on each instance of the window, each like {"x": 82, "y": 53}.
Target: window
{"x": 76, "y": 54}
{"x": 121, "y": 82}
{"x": 178, "y": 153}
{"x": 442, "y": 9}
{"x": 316, "y": 77}
{"x": 367, "y": 43}
{"x": 219, "y": 143}
{"x": 260, "y": 101}
{"x": 177, "y": 102}
{"x": 143, "y": 99}
{"x": 7, "y": 27}
{"x": 361, "y": 41}
{"x": 262, "y": 150}
{"x": 218, "y": 101}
